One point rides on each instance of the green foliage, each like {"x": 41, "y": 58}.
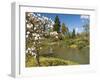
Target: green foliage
{"x": 49, "y": 61}
{"x": 73, "y": 33}
{"x": 79, "y": 42}
{"x": 82, "y": 42}
{"x": 57, "y": 24}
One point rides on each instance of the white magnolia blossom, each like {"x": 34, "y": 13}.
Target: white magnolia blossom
{"x": 34, "y": 54}
{"x": 39, "y": 37}
{"x": 29, "y": 49}
{"x": 26, "y": 36}
{"x": 56, "y": 37}
{"x": 29, "y": 25}
{"x": 33, "y": 48}
{"x": 30, "y": 14}
{"x": 39, "y": 21}
{"x": 36, "y": 38}
{"x": 40, "y": 18}
{"x": 54, "y": 33}
{"x": 28, "y": 32}
{"x": 26, "y": 21}
{"x": 34, "y": 34}
{"x": 26, "y": 51}
{"x": 34, "y": 43}
{"x": 52, "y": 23}
{"x": 34, "y": 28}
{"x": 51, "y": 26}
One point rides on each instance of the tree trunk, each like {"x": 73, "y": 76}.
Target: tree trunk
{"x": 37, "y": 59}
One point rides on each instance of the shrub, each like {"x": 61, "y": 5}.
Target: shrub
{"x": 73, "y": 46}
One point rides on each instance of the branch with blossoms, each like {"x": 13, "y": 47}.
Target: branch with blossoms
{"x": 36, "y": 28}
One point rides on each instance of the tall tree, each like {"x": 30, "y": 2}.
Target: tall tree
{"x": 64, "y": 29}
{"x": 57, "y": 24}
{"x": 35, "y": 30}
{"x": 73, "y": 33}
{"x": 86, "y": 29}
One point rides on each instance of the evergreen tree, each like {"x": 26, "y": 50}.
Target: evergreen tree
{"x": 57, "y": 24}
{"x": 73, "y": 33}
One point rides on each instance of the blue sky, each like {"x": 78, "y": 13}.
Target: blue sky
{"x": 72, "y": 21}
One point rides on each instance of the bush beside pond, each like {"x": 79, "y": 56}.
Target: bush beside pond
{"x": 77, "y": 43}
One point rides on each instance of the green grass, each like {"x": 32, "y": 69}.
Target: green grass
{"x": 49, "y": 61}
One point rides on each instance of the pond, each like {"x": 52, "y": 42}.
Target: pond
{"x": 80, "y": 56}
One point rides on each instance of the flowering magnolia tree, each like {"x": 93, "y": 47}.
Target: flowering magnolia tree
{"x": 37, "y": 27}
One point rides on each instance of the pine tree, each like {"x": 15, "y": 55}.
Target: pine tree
{"x": 73, "y": 33}
{"x": 57, "y": 24}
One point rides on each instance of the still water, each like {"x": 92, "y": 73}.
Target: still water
{"x": 80, "y": 56}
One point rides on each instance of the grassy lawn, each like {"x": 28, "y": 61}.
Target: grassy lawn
{"x": 48, "y": 61}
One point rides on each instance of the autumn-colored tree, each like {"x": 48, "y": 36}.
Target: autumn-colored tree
{"x": 64, "y": 29}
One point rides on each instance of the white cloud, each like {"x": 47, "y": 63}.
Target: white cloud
{"x": 84, "y": 17}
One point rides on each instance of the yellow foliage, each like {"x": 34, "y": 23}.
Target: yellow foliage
{"x": 73, "y": 46}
